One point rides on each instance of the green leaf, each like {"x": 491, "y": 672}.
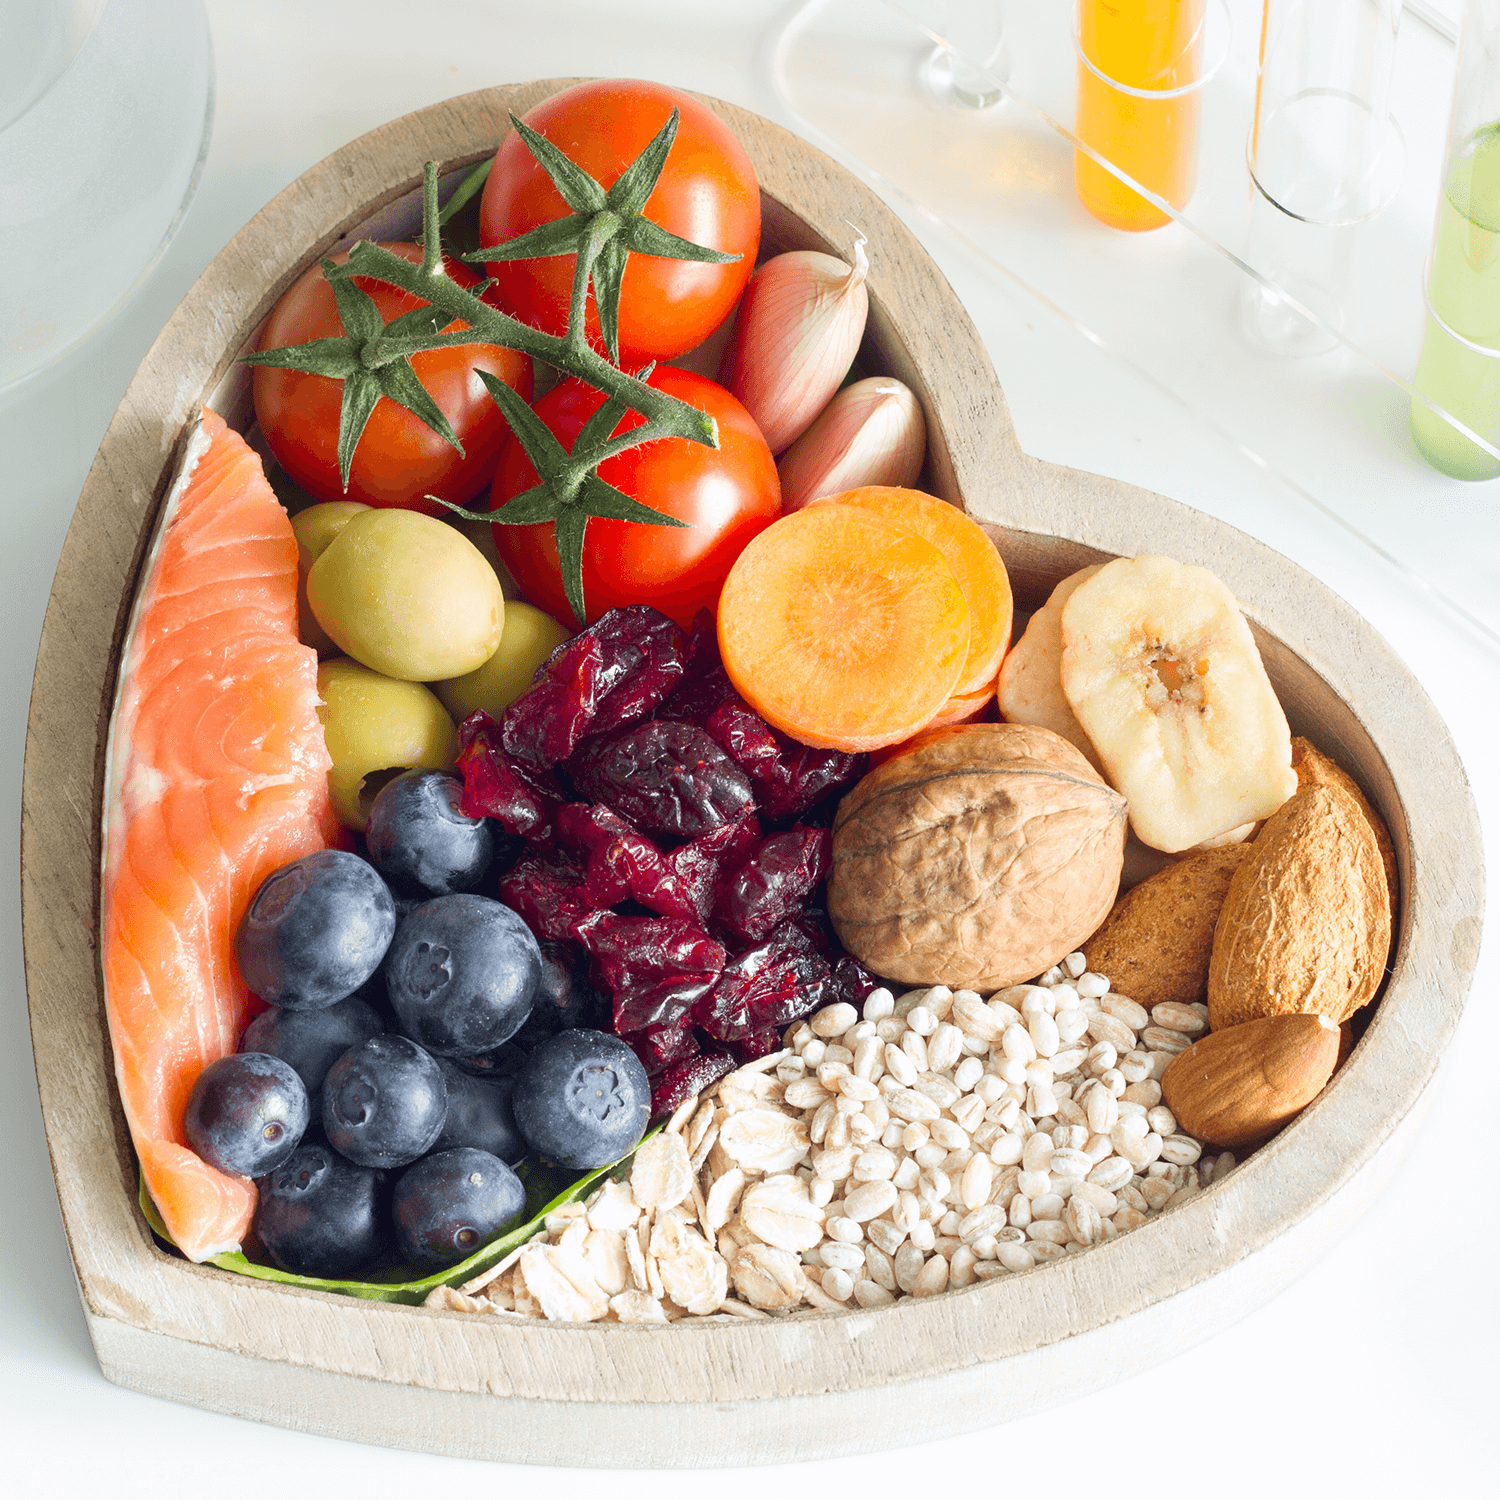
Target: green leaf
{"x": 361, "y": 392}
{"x": 567, "y": 531}
{"x": 544, "y": 450}
{"x": 357, "y": 310}
{"x": 557, "y": 237}
{"x": 427, "y": 320}
{"x": 635, "y": 185}
{"x": 646, "y": 238}
{"x": 547, "y": 1190}
{"x": 581, "y": 193}
{"x": 400, "y": 383}
{"x": 386, "y": 350}
{"x": 466, "y": 189}
{"x": 599, "y": 426}
{"x": 533, "y": 507}
{"x": 336, "y": 358}
{"x": 609, "y": 273}
{"x": 609, "y": 504}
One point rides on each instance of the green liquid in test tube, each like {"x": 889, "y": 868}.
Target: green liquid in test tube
{"x": 1459, "y": 371}
{"x": 1463, "y": 290}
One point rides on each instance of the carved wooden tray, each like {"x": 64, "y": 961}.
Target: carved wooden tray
{"x": 737, "y": 1392}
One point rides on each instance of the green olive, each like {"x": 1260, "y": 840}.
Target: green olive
{"x": 375, "y": 728}
{"x": 314, "y": 528}
{"x": 530, "y": 637}
{"x": 408, "y": 596}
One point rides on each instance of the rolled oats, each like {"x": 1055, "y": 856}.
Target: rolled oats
{"x": 778, "y": 1211}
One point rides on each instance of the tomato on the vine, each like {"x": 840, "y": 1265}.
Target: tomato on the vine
{"x": 727, "y": 495}
{"x": 399, "y": 459}
{"x": 706, "y": 193}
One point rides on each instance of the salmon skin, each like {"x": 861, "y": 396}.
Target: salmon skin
{"x": 216, "y": 775}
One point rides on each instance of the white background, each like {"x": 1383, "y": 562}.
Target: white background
{"x": 1376, "y": 1373}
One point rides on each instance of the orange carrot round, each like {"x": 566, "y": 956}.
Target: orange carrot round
{"x": 959, "y": 709}
{"x": 975, "y": 563}
{"x": 842, "y": 629}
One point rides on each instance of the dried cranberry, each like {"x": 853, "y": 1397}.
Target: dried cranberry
{"x": 547, "y": 893}
{"x": 545, "y": 724}
{"x": 850, "y": 982}
{"x": 643, "y": 662}
{"x": 677, "y": 1084}
{"x": 697, "y": 863}
{"x": 667, "y": 778}
{"x": 607, "y": 676}
{"x": 769, "y": 985}
{"x": 623, "y": 865}
{"x": 698, "y": 699}
{"x": 773, "y": 882}
{"x": 804, "y": 776}
{"x": 520, "y": 799}
{"x": 787, "y": 777}
{"x": 657, "y": 1046}
{"x": 701, "y": 654}
{"x": 758, "y": 1044}
{"x": 655, "y": 968}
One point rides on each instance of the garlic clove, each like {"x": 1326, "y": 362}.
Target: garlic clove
{"x": 798, "y": 330}
{"x": 872, "y": 432}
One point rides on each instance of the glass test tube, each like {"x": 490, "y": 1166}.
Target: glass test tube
{"x": 1323, "y": 158}
{"x": 1140, "y": 67}
{"x": 1459, "y": 369}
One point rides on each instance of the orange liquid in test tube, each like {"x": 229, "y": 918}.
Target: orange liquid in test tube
{"x": 1151, "y": 46}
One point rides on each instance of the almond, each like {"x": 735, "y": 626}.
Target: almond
{"x": 1313, "y": 768}
{"x": 1237, "y": 1086}
{"x": 1306, "y": 925}
{"x": 1155, "y": 943}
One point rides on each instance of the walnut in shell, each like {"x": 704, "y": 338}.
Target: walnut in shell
{"x": 1306, "y": 925}
{"x": 976, "y": 859}
{"x": 1156, "y": 942}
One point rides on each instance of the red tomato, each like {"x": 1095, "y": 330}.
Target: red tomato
{"x": 399, "y": 458}
{"x": 707, "y": 193}
{"x": 726, "y": 494}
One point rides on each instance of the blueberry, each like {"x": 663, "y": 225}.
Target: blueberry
{"x": 312, "y": 1040}
{"x": 452, "y": 1202}
{"x": 319, "y": 1215}
{"x": 582, "y": 1100}
{"x": 564, "y": 998}
{"x": 384, "y": 1102}
{"x": 316, "y": 930}
{"x": 479, "y": 1115}
{"x": 421, "y": 842}
{"x": 246, "y": 1113}
{"x": 461, "y": 974}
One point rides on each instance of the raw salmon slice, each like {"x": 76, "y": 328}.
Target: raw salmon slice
{"x": 217, "y": 775}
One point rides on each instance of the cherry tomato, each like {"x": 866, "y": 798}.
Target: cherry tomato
{"x": 399, "y": 458}
{"x": 726, "y": 494}
{"x": 707, "y": 193}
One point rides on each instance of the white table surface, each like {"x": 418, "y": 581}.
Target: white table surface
{"x": 1376, "y": 1373}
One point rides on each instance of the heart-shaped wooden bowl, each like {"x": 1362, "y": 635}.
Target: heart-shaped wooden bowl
{"x": 705, "y": 1393}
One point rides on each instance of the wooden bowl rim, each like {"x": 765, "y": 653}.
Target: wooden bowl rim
{"x": 124, "y": 1278}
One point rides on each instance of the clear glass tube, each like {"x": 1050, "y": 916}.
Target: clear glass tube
{"x": 969, "y": 62}
{"x": 1323, "y": 155}
{"x": 1457, "y": 384}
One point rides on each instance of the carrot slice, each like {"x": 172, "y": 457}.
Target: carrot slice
{"x": 959, "y": 709}
{"x": 843, "y": 630}
{"x": 975, "y": 563}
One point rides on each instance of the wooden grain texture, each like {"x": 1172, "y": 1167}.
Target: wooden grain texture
{"x": 734, "y": 1392}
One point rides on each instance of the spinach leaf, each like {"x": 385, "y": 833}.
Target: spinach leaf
{"x": 547, "y": 1189}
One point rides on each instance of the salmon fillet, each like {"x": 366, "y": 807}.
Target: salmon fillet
{"x": 217, "y": 775}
